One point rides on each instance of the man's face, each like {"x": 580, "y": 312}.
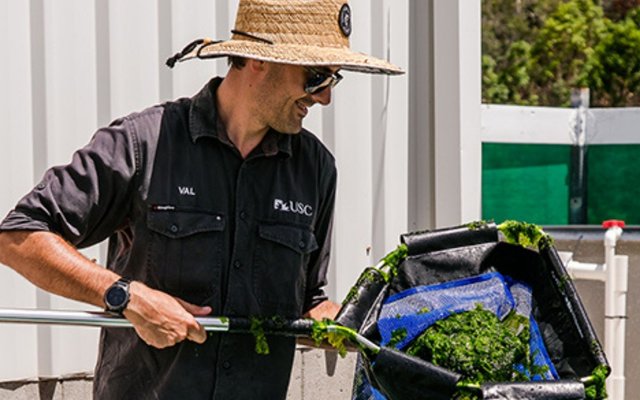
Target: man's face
{"x": 283, "y": 102}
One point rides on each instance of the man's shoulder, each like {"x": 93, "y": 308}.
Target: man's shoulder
{"x": 156, "y": 112}
{"x": 311, "y": 143}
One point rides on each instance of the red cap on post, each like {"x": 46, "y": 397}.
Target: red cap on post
{"x": 610, "y": 223}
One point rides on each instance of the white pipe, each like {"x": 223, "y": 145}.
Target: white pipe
{"x": 587, "y": 271}
{"x": 615, "y": 314}
{"x": 615, "y": 323}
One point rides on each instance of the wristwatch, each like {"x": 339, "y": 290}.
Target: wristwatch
{"x": 116, "y": 297}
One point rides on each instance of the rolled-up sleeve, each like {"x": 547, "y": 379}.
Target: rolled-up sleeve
{"x": 319, "y": 262}
{"x": 86, "y": 200}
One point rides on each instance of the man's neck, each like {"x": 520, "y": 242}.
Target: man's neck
{"x": 235, "y": 112}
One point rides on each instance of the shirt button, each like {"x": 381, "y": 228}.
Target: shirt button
{"x": 302, "y": 244}
{"x": 243, "y": 215}
{"x": 237, "y": 264}
{"x": 226, "y": 365}
{"x": 174, "y": 228}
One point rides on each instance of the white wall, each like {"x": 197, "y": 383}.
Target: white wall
{"x": 71, "y": 66}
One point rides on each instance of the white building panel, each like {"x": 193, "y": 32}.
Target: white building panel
{"x": 76, "y": 65}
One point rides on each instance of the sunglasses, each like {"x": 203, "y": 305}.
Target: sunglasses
{"x": 318, "y": 80}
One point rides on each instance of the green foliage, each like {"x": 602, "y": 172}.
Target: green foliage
{"x": 508, "y": 29}
{"x": 536, "y": 52}
{"x": 613, "y": 71}
{"x": 562, "y": 47}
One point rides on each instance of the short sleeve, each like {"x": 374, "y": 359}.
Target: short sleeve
{"x": 86, "y": 200}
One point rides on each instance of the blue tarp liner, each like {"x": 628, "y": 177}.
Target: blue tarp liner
{"x": 416, "y": 309}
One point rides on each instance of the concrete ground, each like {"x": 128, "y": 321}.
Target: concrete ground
{"x": 316, "y": 375}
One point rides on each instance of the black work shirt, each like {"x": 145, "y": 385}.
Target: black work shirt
{"x": 186, "y": 214}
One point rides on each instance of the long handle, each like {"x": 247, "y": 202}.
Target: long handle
{"x": 300, "y": 327}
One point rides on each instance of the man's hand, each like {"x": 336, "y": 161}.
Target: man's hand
{"x": 326, "y": 309}
{"x": 162, "y": 320}
{"x": 48, "y": 261}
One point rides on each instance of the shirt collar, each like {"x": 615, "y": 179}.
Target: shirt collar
{"x": 204, "y": 122}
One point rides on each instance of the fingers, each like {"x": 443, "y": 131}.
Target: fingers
{"x": 197, "y": 334}
{"x": 193, "y": 309}
{"x": 161, "y": 320}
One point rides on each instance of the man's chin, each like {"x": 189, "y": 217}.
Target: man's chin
{"x": 290, "y": 129}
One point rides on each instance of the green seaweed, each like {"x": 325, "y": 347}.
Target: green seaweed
{"x": 525, "y": 234}
{"x": 256, "y": 329}
{"x": 478, "y": 225}
{"x": 595, "y": 386}
{"x": 387, "y": 269}
{"x": 397, "y": 336}
{"x": 370, "y": 275}
{"x": 393, "y": 260}
{"x": 334, "y": 334}
{"x": 455, "y": 343}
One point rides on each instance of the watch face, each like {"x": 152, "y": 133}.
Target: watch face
{"x": 116, "y": 296}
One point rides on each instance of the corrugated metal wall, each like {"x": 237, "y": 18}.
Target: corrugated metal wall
{"x": 71, "y": 66}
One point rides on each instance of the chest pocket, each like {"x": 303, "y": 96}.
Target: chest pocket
{"x": 185, "y": 253}
{"x": 280, "y": 268}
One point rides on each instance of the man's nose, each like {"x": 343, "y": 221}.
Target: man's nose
{"x": 323, "y": 97}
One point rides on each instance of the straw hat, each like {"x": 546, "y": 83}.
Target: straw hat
{"x": 299, "y": 32}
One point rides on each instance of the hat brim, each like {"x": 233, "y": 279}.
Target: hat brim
{"x": 298, "y": 55}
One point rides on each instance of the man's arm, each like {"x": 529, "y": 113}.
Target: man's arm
{"x": 52, "y": 264}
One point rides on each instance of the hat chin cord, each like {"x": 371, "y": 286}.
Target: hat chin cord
{"x": 203, "y": 43}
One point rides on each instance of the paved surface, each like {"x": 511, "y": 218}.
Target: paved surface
{"x": 316, "y": 375}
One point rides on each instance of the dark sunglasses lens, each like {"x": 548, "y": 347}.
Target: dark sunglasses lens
{"x": 316, "y": 82}
{"x": 319, "y": 81}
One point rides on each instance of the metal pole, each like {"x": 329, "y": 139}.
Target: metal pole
{"x": 578, "y": 167}
{"x": 91, "y": 319}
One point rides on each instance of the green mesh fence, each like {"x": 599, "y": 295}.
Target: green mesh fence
{"x": 530, "y": 182}
{"x": 613, "y": 183}
{"x": 526, "y": 183}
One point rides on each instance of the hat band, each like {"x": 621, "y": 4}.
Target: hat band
{"x": 250, "y": 36}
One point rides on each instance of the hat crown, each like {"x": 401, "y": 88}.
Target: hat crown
{"x": 323, "y": 23}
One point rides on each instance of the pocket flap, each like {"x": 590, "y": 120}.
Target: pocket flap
{"x": 297, "y": 239}
{"x": 178, "y": 224}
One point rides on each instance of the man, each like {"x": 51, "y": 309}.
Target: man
{"x": 219, "y": 204}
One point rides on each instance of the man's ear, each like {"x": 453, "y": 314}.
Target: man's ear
{"x": 256, "y": 65}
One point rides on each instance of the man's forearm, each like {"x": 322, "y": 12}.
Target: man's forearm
{"x": 52, "y": 264}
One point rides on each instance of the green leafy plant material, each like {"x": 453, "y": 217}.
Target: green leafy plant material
{"x": 256, "y": 329}
{"x": 525, "y": 234}
{"x": 595, "y": 388}
{"x": 397, "y": 336}
{"x": 479, "y": 346}
{"x": 385, "y": 270}
{"x": 333, "y": 333}
{"x": 477, "y": 225}
{"x": 393, "y": 260}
